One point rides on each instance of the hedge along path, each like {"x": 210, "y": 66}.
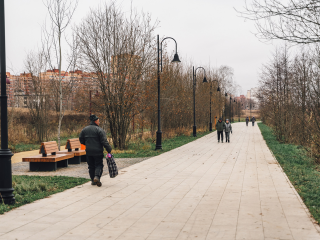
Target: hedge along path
{"x": 201, "y": 190}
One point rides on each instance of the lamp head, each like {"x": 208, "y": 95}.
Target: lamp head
{"x": 226, "y": 94}
{"x": 205, "y": 80}
{"x": 234, "y": 100}
{"x": 176, "y": 58}
{"x": 218, "y": 89}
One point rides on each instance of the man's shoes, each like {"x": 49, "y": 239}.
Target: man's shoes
{"x": 218, "y": 141}
{"x": 97, "y": 181}
{"x": 93, "y": 183}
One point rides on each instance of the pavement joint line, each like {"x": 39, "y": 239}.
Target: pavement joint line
{"x": 208, "y": 189}
{"x": 244, "y": 174}
{"x": 204, "y": 147}
{"x": 224, "y": 189}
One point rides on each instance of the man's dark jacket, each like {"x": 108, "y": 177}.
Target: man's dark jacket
{"x": 220, "y": 126}
{"x": 253, "y": 119}
{"x": 247, "y": 119}
{"x": 95, "y": 139}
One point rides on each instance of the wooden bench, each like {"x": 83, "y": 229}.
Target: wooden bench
{"x": 79, "y": 155}
{"x": 50, "y": 159}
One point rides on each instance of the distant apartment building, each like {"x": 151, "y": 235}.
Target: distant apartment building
{"x": 24, "y": 89}
{"x": 252, "y": 100}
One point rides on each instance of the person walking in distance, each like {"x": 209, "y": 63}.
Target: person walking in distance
{"x": 227, "y": 130}
{"x": 220, "y": 126}
{"x": 253, "y": 119}
{"x": 247, "y": 121}
{"x": 95, "y": 140}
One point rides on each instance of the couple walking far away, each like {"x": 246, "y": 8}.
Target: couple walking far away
{"x": 226, "y": 126}
{"x": 253, "y": 119}
{"x": 95, "y": 140}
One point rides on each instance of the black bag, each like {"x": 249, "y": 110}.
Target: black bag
{"x": 113, "y": 170}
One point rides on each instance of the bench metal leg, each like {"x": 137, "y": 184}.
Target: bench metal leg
{"x": 74, "y": 160}
{"x": 84, "y": 158}
{"x": 43, "y": 166}
{"x": 63, "y": 163}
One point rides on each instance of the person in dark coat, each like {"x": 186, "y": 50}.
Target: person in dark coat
{"x": 220, "y": 126}
{"x": 253, "y": 119}
{"x": 95, "y": 140}
{"x": 247, "y": 121}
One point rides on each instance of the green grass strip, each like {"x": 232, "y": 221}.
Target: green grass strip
{"x": 28, "y": 189}
{"x": 147, "y": 148}
{"x": 301, "y": 170}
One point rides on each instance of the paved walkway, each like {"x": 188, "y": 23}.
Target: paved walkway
{"x": 202, "y": 190}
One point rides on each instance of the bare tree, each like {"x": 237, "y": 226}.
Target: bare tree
{"x": 60, "y": 15}
{"x": 119, "y": 50}
{"x": 37, "y": 99}
{"x": 296, "y": 21}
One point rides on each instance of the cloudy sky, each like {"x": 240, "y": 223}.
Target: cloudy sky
{"x": 205, "y": 30}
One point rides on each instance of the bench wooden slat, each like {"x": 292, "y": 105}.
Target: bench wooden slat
{"x": 54, "y": 158}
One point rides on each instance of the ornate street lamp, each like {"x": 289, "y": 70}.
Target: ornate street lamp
{"x": 6, "y": 189}
{"x": 194, "y": 78}
{"x": 175, "y": 59}
{"x": 225, "y": 107}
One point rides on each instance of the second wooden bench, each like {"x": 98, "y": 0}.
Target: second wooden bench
{"x": 79, "y": 155}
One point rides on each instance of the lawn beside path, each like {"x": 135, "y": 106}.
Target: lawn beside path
{"x": 301, "y": 170}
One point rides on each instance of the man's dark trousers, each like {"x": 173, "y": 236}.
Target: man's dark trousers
{"x": 247, "y": 123}
{"x": 220, "y": 133}
{"x": 252, "y": 123}
{"x": 95, "y": 166}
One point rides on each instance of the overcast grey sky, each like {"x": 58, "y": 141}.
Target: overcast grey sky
{"x": 205, "y": 30}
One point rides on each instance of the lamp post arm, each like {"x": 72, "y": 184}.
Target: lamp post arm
{"x": 195, "y": 72}
{"x": 161, "y": 48}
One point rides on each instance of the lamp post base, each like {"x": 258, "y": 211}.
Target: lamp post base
{"x": 194, "y": 131}
{"x": 158, "y": 142}
{"x": 210, "y": 127}
{"x": 6, "y": 190}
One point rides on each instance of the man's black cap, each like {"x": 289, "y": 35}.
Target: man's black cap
{"x": 93, "y": 118}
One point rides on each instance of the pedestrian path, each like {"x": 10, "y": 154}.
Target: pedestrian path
{"x": 202, "y": 190}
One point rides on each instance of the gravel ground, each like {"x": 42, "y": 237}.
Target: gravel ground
{"x": 73, "y": 170}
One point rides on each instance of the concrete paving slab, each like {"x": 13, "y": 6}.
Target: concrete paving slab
{"x": 202, "y": 190}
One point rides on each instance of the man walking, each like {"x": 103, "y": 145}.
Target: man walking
{"x": 247, "y": 121}
{"x": 220, "y": 126}
{"x": 227, "y": 130}
{"x": 95, "y": 139}
{"x": 253, "y": 119}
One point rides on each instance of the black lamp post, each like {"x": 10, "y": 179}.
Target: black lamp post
{"x": 230, "y": 109}
{"x": 194, "y": 77}
{"x": 225, "y": 107}
{"x": 6, "y": 189}
{"x": 233, "y": 110}
{"x": 175, "y": 59}
{"x": 218, "y": 90}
